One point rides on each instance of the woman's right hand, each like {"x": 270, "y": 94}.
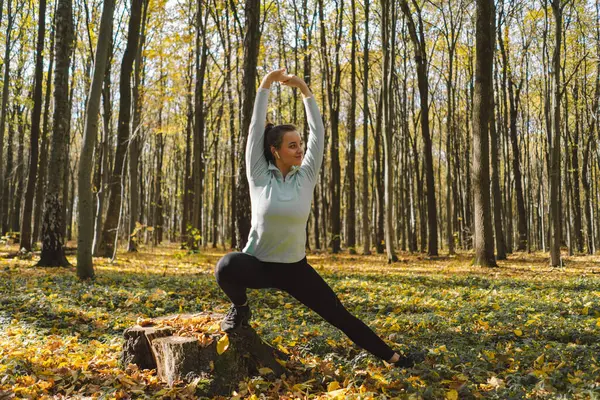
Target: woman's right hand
{"x": 294, "y": 81}
{"x": 297, "y": 82}
{"x": 278, "y": 75}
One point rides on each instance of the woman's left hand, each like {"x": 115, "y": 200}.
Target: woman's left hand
{"x": 293, "y": 81}
{"x": 278, "y": 75}
{"x": 296, "y": 82}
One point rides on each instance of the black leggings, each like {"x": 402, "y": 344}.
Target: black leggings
{"x": 237, "y": 271}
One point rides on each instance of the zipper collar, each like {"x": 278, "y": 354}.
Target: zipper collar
{"x": 293, "y": 170}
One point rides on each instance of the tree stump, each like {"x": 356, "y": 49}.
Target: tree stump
{"x": 185, "y": 348}
{"x": 136, "y": 349}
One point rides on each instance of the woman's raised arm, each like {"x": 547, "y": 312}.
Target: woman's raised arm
{"x": 311, "y": 165}
{"x": 256, "y": 164}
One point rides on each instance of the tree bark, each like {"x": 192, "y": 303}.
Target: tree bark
{"x": 232, "y": 138}
{"x": 484, "y": 239}
{"x": 307, "y": 70}
{"x": 516, "y": 161}
{"x": 104, "y": 156}
{"x": 43, "y": 153}
{"x": 3, "y": 110}
{"x": 379, "y": 185}
{"x": 365, "y": 156}
{"x": 35, "y": 130}
{"x": 351, "y": 148}
{"x": 577, "y": 220}
{"x": 189, "y": 127}
{"x": 586, "y": 168}
{"x": 216, "y": 182}
{"x": 418, "y": 40}
{"x": 199, "y": 163}
{"x": 6, "y": 190}
{"x": 251, "y": 47}
{"x": 185, "y": 358}
{"x": 452, "y": 31}
{"x": 388, "y": 38}
{"x": 109, "y": 230}
{"x": 52, "y": 226}
{"x": 554, "y": 145}
{"x": 19, "y": 171}
{"x": 496, "y": 194}
{"x": 158, "y": 213}
{"x": 333, "y": 99}
{"x": 85, "y": 220}
{"x": 135, "y": 141}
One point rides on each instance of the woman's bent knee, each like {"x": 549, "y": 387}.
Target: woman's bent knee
{"x": 226, "y": 265}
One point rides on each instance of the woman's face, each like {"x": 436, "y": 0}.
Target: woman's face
{"x": 292, "y": 149}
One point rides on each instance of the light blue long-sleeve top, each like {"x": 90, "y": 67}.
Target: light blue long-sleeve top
{"x": 280, "y": 207}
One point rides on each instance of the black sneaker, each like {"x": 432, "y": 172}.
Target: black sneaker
{"x": 235, "y": 317}
{"x": 409, "y": 358}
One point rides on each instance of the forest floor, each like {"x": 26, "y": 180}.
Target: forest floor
{"x": 520, "y": 330}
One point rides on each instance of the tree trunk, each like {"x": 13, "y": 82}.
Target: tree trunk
{"x": 365, "y": 156}
{"x": 468, "y": 192}
{"x": 19, "y": 172}
{"x": 388, "y": 38}
{"x": 484, "y": 239}
{"x": 6, "y": 190}
{"x": 418, "y": 40}
{"x": 251, "y": 47}
{"x": 216, "y": 182}
{"x": 71, "y": 202}
{"x": 554, "y": 145}
{"x": 449, "y": 134}
{"x": 198, "y": 166}
{"x": 516, "y": 163}
{"x": 35, "y": 131}
{"x": 521, "y": 213}
{"x": 85, "y": 220}
{"x": 43, "y": 153}
{"x": 3, "y": 110}
{"x": 577, "y": 220}
{"x": 158, "y": 220}
{"x": 496, "y": 195}
{"x": 52, "y": 226}
{"x": 135, "y": 142}
{"x": 351, "y": 149}
{"x": 232, "y": 139}
{"x": 104, "y": 157}
{"x": 453, "y": 26}
{"x": 109, "y": 230}
{"x": 586, "y": 164}
{"x": 379, "y": 185}
{"x": 67, "y": 206}
{"x": 408, "y": 176}
{"x": 307, "y": 69}
{"x": 333, "y": 99}
{"x": 187, "y": 179}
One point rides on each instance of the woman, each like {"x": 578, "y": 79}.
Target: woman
{"x": 282, "y": 181}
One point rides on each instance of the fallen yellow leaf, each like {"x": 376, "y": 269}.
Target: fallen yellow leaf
{"x": 333, "y": 386}
{"x": 223, "y": 344}
{"x": 452, "y": 395}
